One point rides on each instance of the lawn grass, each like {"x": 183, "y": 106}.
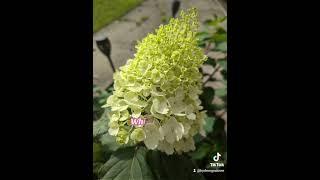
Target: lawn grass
{"x": 105, "y": 11}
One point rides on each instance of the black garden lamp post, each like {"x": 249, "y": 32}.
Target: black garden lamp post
{"x": 175, "y": 7}
{"x": 104, "y": 45}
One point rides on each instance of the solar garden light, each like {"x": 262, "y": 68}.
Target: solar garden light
{"x": 175, "y": 7}
{"x": 104, "y": 45}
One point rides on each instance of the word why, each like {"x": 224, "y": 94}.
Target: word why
{"x": 138, "y": 122}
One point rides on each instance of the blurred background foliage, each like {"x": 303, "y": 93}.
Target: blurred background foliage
{"x": 105, "y": 11}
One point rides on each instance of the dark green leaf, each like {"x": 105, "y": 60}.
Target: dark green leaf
{"x": 210, "y": 108}
{"x": 197, "y": 138}
{"x": 127, "y": 163}
{"x": 100, "y": 126}
{"x": 207, "y": 97}
{"x": 96, "y": 167}
{"x": 110, "y": 88}
{"x": 208, "y": 127}
{"x": 221, "y": 30}
{"x": 219, "y": 38}
{"x": 173, "y": 167}
{"x": 99, "y": 99}
{"x": 201, "y": 151}
{"x": 218, "y": 107}
{"x": 224, "y": 83}
{"x": 109, "y": 142}
{"x": 97, "y": 153}
{"x": 215, "y": 22}
{"x": 222, "y": 18}
{"x": 221, "y": 92}
{"x": 202, "y": 36}
{"x": 218, "y": 127}
{"x": 224, "y": 74}
{"x": 211, "y": 62}
{"x": 202, "y": 44}
{"x": 210, "y": 22}
{"x": 222, "y": 47}
{"x": 223, "y": 64}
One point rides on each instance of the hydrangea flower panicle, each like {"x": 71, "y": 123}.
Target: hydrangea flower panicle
{"x": 156, "y": 94}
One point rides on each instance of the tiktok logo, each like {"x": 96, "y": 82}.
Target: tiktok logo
{"x": 217, "y": 166}
{"x": 217, "y": 157}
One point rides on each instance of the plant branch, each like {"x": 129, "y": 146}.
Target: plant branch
{"x": 216, "y": 69}
{"x": 207, "y": 49}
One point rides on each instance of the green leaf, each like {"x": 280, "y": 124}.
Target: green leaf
{"x": 173, "y": 167}
{"x": 211, "y": 62}
{"x": 222, "y": 47}
{"x": 215, "y": 22}
{"x": 211, "y": 22}
{"x": 224, "y": 74}
{"x": 222, "y": 18}
{"x": 208, "y": 127}
{"x": 110, "y": 88}
{"x": 96, "y": 167}
{"x": 100, "y": 126}
{"x": 207, "y": 97}
{"x": 109, "y": 142}
{"x": 202, "y": 36}
{"x": 223, "y": 63}
{"x": 224, "y": 83}
{"x": 97, "y": 153}
{"x": 221, "y": 92}
{"x": 127, "y": 163}
{"x": 220, "y": 38}
{"x": 99, "y": 99}
{"x": 201, "y": 151}
{"x": 218, "y": 128}
{"x": 197, "y": 138}
{"x": 202, "y": 44}
{"x": 221, "y": 30}
{"x": 218, "y": 107}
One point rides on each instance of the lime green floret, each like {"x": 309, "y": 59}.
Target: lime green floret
{"x": 169, "y": 59}
{"x": 162, "y": 84}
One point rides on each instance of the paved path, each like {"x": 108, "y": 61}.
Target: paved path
{"x": 134, "y": 26}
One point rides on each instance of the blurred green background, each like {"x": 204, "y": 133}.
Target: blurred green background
{"x": 105, "y": 11}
